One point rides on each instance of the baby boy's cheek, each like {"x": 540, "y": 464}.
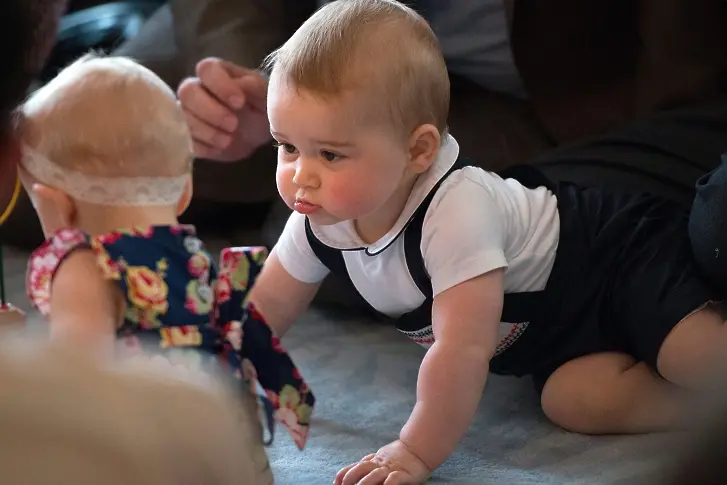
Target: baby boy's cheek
{"x": 284, "y": 181}
{"x": 352, "y": 198}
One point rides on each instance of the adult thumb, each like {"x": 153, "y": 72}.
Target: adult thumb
{"x": 255, "y": 87}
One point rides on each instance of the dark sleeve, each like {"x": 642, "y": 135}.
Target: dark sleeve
{"x": 708, "y": 225}
{"x": 240, "y": 31}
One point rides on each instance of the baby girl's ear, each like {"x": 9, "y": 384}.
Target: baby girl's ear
{"x": 186, "y": 197}
{"x": 55, "y": 208}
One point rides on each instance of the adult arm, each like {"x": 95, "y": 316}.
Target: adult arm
{"x": 240, "y": 31}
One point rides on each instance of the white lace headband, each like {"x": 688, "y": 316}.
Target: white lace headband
{"x": 113, "y": 191}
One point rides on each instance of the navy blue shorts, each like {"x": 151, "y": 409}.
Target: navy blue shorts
{"x": 623, "y": 278}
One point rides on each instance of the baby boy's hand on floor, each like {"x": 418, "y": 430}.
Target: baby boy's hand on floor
{"x": 393, "y": 464}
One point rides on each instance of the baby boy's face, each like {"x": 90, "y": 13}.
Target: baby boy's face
{"x": 334, "y": 164}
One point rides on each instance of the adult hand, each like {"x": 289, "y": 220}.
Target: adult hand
{"x": 393, "y": 464}
{"x": 225, "y": 106}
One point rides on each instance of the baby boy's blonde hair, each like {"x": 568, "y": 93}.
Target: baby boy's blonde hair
{"x": 379, "y": 47}
{"x": 108, "y": 116}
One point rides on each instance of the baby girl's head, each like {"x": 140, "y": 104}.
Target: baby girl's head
{"x": 358, "y": 101}
{"x": 70, "y": 419}
{"x": 105, "y": 134}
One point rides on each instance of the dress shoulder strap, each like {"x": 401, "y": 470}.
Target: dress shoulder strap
{"x": 45, "y": 261}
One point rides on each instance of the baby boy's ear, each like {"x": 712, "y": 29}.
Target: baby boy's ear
{"x": 55, "y": 208}
{"x": 186, "y": 197}
{"x": 424, "y": 144}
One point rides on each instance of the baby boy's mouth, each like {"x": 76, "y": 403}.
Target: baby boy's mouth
{"x": 304, "y": 207}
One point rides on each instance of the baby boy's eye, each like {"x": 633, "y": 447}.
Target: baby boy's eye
{"x": 329, "y": 156}
{"x": 287, "y": 147}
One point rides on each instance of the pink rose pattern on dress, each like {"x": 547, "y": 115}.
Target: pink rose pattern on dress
{"x": 175, "y": 300}
{"x": 261, "y": 357}
{"x": 43, "y": 264}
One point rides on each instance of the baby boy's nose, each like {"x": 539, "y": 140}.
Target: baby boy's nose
{"x": 305, "y": 175}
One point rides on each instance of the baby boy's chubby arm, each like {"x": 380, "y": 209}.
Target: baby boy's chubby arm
{"x": 465, "y": 320}
{"x": 279, "y": 297}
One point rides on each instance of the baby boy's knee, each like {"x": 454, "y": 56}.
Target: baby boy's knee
{"x": 694, "y": 348}
{"x": 573, "y": 400}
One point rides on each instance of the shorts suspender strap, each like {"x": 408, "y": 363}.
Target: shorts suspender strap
{"x": 518, "y": 307}
{"x": 332, "y": 258}
{"x": 413, "y": 236}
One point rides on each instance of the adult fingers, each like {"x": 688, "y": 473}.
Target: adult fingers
{"x": 219, "y": 78}
{"x": 205, "y": 133}
{"x": 235, "y": 70}
{"x": 205, "y": 151}
{"x": 255, "y": 87}
{"x": 195, "y": 98}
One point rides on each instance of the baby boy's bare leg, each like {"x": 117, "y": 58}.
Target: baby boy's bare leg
{"x": 611, "y": 393}
{"x": 694, "y": 353}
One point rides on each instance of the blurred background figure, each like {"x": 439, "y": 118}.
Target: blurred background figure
{"x": 527, "y": 76}
{"x": 68, "y": 419}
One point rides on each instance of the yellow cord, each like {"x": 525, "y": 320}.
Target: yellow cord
{"x": 13, "y": 202}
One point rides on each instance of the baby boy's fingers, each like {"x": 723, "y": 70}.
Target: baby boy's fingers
{"x": 342, "y": 473}
{"x": 358, "y": 472}
{"x": 376, "y": 477}
{"x": 399, "y": 478}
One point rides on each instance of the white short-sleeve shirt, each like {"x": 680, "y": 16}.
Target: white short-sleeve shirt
{"x": 477, "y": 222}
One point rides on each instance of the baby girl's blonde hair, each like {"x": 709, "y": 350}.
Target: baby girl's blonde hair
{"x": 380, "y": 47}
{"x": 108, "y": 116}
{"x": 67, "y": 419}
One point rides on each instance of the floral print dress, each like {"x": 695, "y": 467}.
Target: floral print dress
{"x": 176, "y": 300}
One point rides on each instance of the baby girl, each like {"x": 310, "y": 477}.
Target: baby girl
{"x": 107, "y": 162}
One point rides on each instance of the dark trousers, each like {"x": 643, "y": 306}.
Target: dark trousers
{"x": 708, "y": 226}
{"x": 669, "y": 154}
{"x": 664, "y": 154}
